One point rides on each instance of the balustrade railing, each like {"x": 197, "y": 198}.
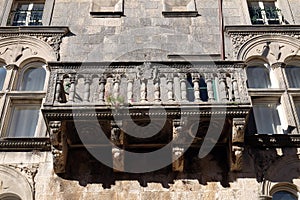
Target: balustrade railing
{"x": 147, "y": 83}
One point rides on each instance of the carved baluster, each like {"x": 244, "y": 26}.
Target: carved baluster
{"x": 183, "y": 87}
{"x": 130, "y": 90}
{"x": 102, "y": 82}
{"x": 156, "y": 83}
{"x": 222, "y": 87}
{"x": 59, "y": 146}
{"x": 237, "y": 144}
{"x": 236, "y": 96}
{"x": 116, "y": 87}
{"x": 210, "y": 90}
{"x": 87, "y": 83}
{"x": 72, "y": 88}
{"x": 59, "y": 90}
{"x": 196, "y": 87}
{"x": 143, "y": 90}
{"x": 170, "y": 93}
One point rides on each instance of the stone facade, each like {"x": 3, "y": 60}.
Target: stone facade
{"x": 111, "y": 63}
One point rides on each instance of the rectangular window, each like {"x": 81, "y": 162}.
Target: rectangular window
{"x": 182, "y": 8}
{"x": 264, "y": 12}
{"x": 24, "y": 119}
{"x": 107, "y": 8}
{"x": 26, "y": 13}
{"x": 267, "y": 118}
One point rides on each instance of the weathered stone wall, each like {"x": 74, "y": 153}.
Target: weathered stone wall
{"x": 142, "y": 34}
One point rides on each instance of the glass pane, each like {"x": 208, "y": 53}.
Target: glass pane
{"x": 2, "y": 77}
{"x": 293, "y": 76}
{"x": 283, "y": 195}
{"x": 255, "y": 13}
{"x": 36, "y": 14}
{"x": 258, "y": 77}
{"x": 23, "y": 121}
{"x": 266, "y": 118}
{"x": 33, "y": 79}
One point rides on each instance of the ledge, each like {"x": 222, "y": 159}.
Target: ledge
{"x": 33, "y": 30}
{"x": 260, "y": 29}
{"x": 180, "y": 13}
{"x": 25, "y": 144}
{"x": 106, "y": 14}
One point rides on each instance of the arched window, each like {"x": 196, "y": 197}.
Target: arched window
{"x": 2, "y": 76}
{"x": 284, "y": 195}
{"x": 293, "y": 76}
{"x": 33, "y": 78}
{"x": 258, "y": 77}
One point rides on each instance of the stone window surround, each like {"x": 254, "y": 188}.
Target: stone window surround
{"x": 47, "y": 14}
{"x": 12, "y": 96}
{"x": 285, "y": 187}
{"x": 174, "y": 8}
{"x": 282, "y": 4}
{"x": 286, "y": 99}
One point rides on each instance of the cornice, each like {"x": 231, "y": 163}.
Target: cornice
{"x": 33, "y": 30}
{"x": 25, "y": 144}
{"x": 260, "y": 30}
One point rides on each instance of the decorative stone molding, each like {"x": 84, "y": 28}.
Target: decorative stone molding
{"x": 19, "y": 43}
{"x": 25, "y": 144}
{"x": 118, "y": 159}
{"x": 59, "y": 146}
{"x": 13, "y": 181}
{"x": 276, "y": 42}
{"x": 178, "y": 159}
{"x": 116, "y": 133}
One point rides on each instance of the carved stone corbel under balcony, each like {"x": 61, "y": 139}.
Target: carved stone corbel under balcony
{"x": 237, "y": 144}
{"x": 178, "y": 159}
{"x": 59, "y": 146}
{"x": 116, "y": 133}
{"x": 118, "y": 159}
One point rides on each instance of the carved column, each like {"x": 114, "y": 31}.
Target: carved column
{"x": 59, "y": 146}
{"x": 102, "y": 82}
{"x": 87, "y": 83}
{"x": 130, "y": 90}
{"x": 196, "y": 87}
{"x": 170, "y": 94}
{"x": 237, "y": 147}
{"x": 210, "y": 91}
{"x": 222, "y": 87}
{"x": 183, "y": 87}
{"x": 72, "y": 87}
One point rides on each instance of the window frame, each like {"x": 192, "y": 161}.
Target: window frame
{"x": 265, "y": 20}
{"x": 47, "y": 13}
{"x": 189, "y": 11}
{"x": 109, "y": 11}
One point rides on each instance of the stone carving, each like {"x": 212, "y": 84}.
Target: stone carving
{"x": 118, "y": 159}
{"x": 178, "y": 159}
{"x": 59, "y": 146}
{"x": 179, "y": 131}
{"x": 238, "y": 40}
{"x": 28, "y": 171}
{"x": 13, "y": 53}
{"x": 54, "y": 42}
{"x": 116, "y": 133}
{"x": 237, "y": 144}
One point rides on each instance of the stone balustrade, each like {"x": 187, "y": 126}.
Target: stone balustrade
{"x": 135, "y": 84}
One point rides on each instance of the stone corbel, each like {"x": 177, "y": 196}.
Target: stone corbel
{"x": 118, "y": 159}
{"x": 178, "y": 159}
{"x": 59, "y": 146}
{"x": 237, "y": 144}
{"x": 116, "y": 133}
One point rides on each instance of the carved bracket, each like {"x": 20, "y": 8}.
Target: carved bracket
{"x": 118, "y": 159}
{"x": 178, "y": 159}
{"x": 237, "y": 148}
{"x": 59, "y": 146}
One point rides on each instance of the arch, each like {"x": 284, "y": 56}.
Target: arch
{"x": 15, "y": 50}
{"x": 2, "y": 75}
{"x": 274, "y": 48}
{"x": 15, "y": 184}
{"x": 286, "y": 187}
{"x": 9, "y": 196}
{"x": 32, "y": 77}
{"x": 258, "y": 75}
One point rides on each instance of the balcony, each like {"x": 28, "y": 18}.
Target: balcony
{"x": 179, "y": 101}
